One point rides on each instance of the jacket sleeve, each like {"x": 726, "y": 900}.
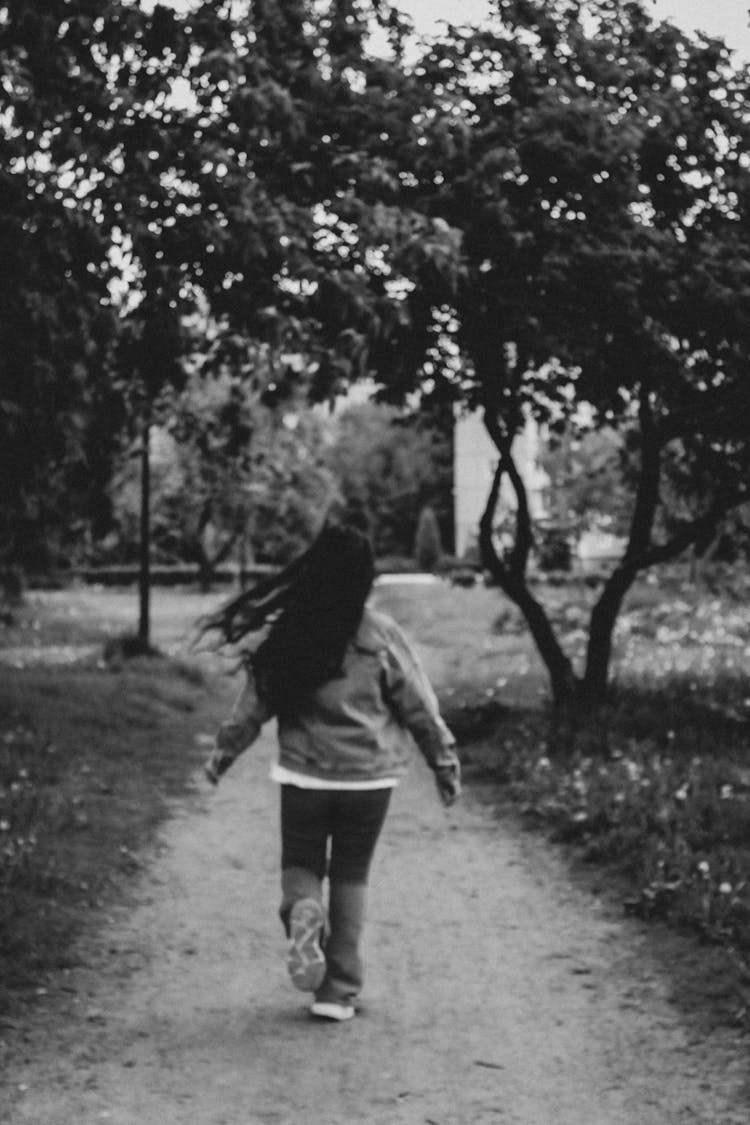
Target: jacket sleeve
{"x": 410, "y": 696}
{"x": 240, "y": 730}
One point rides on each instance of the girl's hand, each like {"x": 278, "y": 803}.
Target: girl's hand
{"x": 448, "y": 780}
{"x": 217, "y": 764}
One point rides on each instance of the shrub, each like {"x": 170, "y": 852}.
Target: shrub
{"x": 395, "y": 564}
{"x": 554, "y": 552}
{"x": 428, "y": 548}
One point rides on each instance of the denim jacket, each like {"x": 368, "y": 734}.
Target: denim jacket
{"x": 356, "y": 726}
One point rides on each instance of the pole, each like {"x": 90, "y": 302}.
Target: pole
{"x": 144, "y": 576}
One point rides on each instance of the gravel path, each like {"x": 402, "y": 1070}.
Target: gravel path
{"x": 496, "y": 991}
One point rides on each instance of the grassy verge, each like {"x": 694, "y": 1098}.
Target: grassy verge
{"x": 655, "y": 794}
{"x": 658, "y": 791}
{"x": 655, "y": 791}
{"x": 90, "y": 758}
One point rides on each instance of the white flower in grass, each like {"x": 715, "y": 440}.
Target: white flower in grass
{"x": 633, "y": 770}
{"x": 703, "y": 867}
{"x": 725, "y": 888}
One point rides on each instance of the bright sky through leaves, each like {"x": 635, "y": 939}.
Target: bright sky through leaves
{"x": 726, "y": 18}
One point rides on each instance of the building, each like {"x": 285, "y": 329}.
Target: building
{"x": 474, "y": 463}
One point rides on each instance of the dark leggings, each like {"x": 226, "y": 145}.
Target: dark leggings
{"x": 351, "y": 820}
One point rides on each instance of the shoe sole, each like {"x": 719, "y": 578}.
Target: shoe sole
{"x": 306, "y": 962}
{"x": 328, "y": 1011}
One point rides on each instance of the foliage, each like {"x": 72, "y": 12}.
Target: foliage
{"x": 588, "y": 474}
{"x": 553, "y": 548}
{"x": 428, "y": 548}
{"x": 581, "y": 178}
{"x": 242, "y": 447}
{"x": 231, "y": 477}
{"x": 56, "y": 323}
{"x": 394, "y": 464}
{"x": 155, "y": 162}
{"x": 295, "y": 489}
{"x": 545, "y": 213}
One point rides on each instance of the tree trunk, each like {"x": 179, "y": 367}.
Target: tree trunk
{"x": 512, "y": 580}
{"x": 244, "y": 558}
{"x": 206, "y": 573}
{"x": 593, "y": 687}
{"x": 144, "y": 577}
{"x": 563, "y": 682}
{"x": 207, "y": 563}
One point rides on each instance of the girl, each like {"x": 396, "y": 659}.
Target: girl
{"x": 346, "y": 689}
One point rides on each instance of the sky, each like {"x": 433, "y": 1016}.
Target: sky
{"x": 725, "y": 18}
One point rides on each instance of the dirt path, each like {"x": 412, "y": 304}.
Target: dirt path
{"x": 496, "y": 992}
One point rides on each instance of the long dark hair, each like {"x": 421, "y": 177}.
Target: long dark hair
{"x": 314, "y": 608}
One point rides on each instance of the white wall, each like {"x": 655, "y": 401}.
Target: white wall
{"x": 475, "y": 458}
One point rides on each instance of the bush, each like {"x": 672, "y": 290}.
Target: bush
{"x": 554, "y": 552}
{"x": 182, "y": 574}
{"x": 458, "y": 572}
{"x": 395, "y": 564}
{"x": 11, "y": 586}
{"x": 11, "y": 594}
{"x": 428, "y": 548}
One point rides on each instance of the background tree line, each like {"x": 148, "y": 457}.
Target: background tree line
{"x": 546, "y": 215}
{"x": 263, "y": 500}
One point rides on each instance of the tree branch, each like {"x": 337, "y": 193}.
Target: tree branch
{"x": 519, "y": 555}
{"x": 511, "y": 576}
{"x": 487, "y": 550}
{"x": 605, "y": 611}
{"x": 690, "y": 533}
{"x": 502, "y": 439}
{"x": 647, "y": 493}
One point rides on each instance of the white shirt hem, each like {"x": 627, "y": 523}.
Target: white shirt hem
{"x": 286, "y": 776}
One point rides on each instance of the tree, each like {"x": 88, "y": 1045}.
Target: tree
{"x": 157, "y": 162}
{"x": 233, "y": 474}
{"x": 590, "y": 475}
{"x": 295, "y": 488}
{"x": 582, "y": 187}
{"x": 543, "y": 214}
{"x": 394, "y": 464}
{"x": 251, "y": 471}
{"x": 90, "y": 147}
{"x": 219, "y": 429}
{"x": 56, "y": 320}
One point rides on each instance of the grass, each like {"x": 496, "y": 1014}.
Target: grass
{"x": 91, "y": 756}
{"x": 654, "y": 791}
{"x": 654, "y": 794}
{"x": 89, "y": 615}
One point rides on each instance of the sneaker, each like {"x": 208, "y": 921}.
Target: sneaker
{"x": 305, "y": 960}
{"x": 332, "y": 1010}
